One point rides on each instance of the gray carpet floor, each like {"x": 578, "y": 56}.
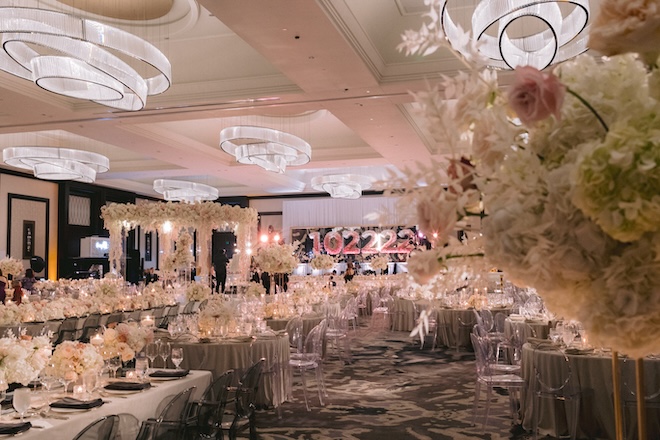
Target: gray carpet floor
{"x": 391, "y": 390}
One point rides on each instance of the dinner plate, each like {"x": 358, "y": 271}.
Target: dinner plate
{"x": 121, "y": 391}
{"x": 70, "y": 410}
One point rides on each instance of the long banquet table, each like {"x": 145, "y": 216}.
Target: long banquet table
{"x": 593, "y": 373}
{"x": 238, "y": 354}
{"x": 142, "y": 405}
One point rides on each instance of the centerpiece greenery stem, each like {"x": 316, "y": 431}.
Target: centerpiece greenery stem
{"x": 591, "y": 109}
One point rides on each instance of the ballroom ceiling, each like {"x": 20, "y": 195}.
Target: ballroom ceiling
{"x": 327, "y": 71}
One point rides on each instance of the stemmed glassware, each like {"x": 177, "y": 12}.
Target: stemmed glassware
{"x": 151, "y": 350}
{"x": 21, "y": 401}
{"x": 164, "y": 352}
{"x": 177, "y": 356}
{"x": 114, "y": 364}
{"x": 48, "y": 381}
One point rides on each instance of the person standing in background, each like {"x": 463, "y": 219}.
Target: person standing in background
{"x": 3, "y": 286}
{"x": 220, "y": 265}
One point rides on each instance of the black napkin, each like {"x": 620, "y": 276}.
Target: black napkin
{"x": 169, "y": 373}
{"x": 14, "y": 428}
{"x": 71, "y": 403}
{"x": 128, "y": 386}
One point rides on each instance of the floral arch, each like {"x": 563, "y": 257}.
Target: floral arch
{"x": 203, "y": 217}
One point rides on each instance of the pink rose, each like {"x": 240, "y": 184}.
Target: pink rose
{"x": 535, "y": 95}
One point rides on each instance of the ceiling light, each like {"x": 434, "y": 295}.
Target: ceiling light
{"x": 513, "y": 33}
{"x": 342, "y": 186}
{"x": 271, "y": 149}
{"x": 184, "y": 191}
{"x": 80, "y": 58}
{"x": 50, "y": 163}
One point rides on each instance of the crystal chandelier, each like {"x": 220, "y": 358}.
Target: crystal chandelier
{"x": 184, "y": 191}
{"x": 268, "y": 148}
{"x": 80, "y": 58}
{"x": 511, "y": 33}
{"x": 342, "y": 186}
{"x": 51, "y": 163}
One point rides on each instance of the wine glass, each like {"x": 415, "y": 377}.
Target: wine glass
{"x": 48, "y": 381}
{"x": 164, "y": 352}
{"x": 177, "y": 356}
{"x": 3, "y": 389}
{"x": 151, "y": 350}
{"x": 21, "y": 401}
{"x": 114, "y": 364}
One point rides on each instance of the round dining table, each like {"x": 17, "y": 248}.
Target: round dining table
{"x": 455, "y": 325}
{"x": 591, "y": 373}
{"x": 238, "y": 354}
{"x": 309, "y": 322}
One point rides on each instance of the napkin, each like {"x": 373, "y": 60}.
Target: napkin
{"x": 128, "y": 386}
{"x": 169, "y": 373}
{"x": 71, "y": 403}
{"x": 578, "y": 351}
{"x": 14, "y": 428}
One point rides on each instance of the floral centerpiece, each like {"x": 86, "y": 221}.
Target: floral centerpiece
{"x": 11, "y": 266}
{"x": 125, "y": 340}
{"x": 22, "y": 358}
{"x": 276, "y": 258}
{"x": 477, "y": 301}
{"x": 217, "y": 312}
{"x": 197, "y": 292}
{"x": 379, "y": 262}
{"x": 570, "y": 188}
{"x": 322, "y": 262}
{"x": 254, "y": 290}
{"x": 76, "y": 357}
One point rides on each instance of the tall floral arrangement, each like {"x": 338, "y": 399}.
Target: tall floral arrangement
{"x": 11, "y": 266}
{"x": 125, "y": 340}
{"x": 379, "y": 262}
{"x": 277, "y": 258}
{"x": 322, "y": 262}
{"x": 254, "y": 290}
{"x": 197, "y": 292}
{"x": 566, "y": 165}
{"x": 22, "y": 358}
{"x": 75, "y": 357}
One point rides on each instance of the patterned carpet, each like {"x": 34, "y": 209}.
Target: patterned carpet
{"x": 391, "y": 390}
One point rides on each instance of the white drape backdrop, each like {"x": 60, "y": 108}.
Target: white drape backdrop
{"x": 339, "y": 212}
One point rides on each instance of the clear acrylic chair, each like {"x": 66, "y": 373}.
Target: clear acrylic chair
{"x": 172, "y": 420}
{"x": 558, "y": 385}
{"x": 101, "y": 429}
{"x": 243, "y": 414}
{"x": 337, "y": 334}
{"x": 127, "y": 428}
{"x": 209, "y": 411}
{"x": 629, "y": 396}
{"x": 312, "y": 359}
{"x": 490, "y": 379}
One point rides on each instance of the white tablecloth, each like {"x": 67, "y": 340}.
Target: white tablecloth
{"x": 142, "y": 405}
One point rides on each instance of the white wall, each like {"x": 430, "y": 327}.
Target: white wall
{"x": 35, "y": 188}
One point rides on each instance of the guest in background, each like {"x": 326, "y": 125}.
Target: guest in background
{"x": 28, "y": 280}
{"x": 350, "y": 272}
{"x": 18, "y": 292}
{"x": 265, "y": 280}
{"x": 220, "y": 264}
{"x": 255, "y": 276}
{"x": 3, "y": 285}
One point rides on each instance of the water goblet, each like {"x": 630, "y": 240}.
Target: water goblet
{"x": 164, "y": 352}
{"x": 177, "y": 356}
{"x": 151, "y": 350}
{"x": 21, "y": 401}
{"x": 114, "y": 364}
{"x": 48, "y": 381}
